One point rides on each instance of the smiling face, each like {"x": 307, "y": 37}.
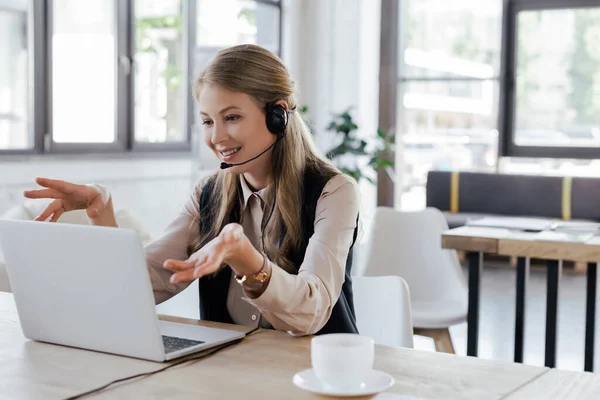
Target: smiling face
{"x": 234, "y": 129}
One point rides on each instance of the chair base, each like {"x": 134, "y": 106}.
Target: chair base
{"x": 441, "y": 337}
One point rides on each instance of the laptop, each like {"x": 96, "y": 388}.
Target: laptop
{"x": 88, "y": 287}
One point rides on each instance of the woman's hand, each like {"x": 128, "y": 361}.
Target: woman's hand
{"x": 68, "y": 197}
{"x": 230, "y": 247}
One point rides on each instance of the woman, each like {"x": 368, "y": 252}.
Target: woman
{"x": 269, "y": 236}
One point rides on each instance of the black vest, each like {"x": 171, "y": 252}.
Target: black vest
{"x": 213, "y": 289}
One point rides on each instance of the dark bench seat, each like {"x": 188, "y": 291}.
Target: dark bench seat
{"x": 471, "y": 195}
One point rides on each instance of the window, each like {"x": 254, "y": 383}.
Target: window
{"x": 448, "y": 90}
{"x": 482, "y": 78}
{"x": 223, "y": 23}
{"x": 552, "y": 85}
{"x": 160, "y": 84}
{"x": 14, "y": 81}
{"x": 114, "y": 75}
{"x": 83, "y": 71}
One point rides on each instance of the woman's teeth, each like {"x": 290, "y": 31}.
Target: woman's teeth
{"x": 230, "y": 152}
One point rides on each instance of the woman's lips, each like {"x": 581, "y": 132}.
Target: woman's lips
{"x": 230, "y": 154}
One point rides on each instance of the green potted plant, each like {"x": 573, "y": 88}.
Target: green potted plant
{"x": 377, "y": 149}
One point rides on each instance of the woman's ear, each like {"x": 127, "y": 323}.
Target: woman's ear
{"x": 283, "y": 103}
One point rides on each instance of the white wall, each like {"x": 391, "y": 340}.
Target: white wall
{"x": 153, "y": 188}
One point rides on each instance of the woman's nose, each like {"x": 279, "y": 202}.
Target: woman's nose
{"x": 219, "y": 134}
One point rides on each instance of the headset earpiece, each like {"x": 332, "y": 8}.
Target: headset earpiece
{"x": 276, "y": 118}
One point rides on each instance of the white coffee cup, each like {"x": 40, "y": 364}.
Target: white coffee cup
{"x": 342, "y": 360}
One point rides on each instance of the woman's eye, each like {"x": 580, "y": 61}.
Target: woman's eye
{"x": 206, "y": 122}
{"x": 232, "y": 118}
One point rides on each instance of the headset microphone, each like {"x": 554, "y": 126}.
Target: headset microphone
{"x": 225, "y": 165}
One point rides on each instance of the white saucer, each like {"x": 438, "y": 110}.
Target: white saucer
{"x": 376, "y": 382}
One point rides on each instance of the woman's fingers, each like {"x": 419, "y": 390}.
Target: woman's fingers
{"x": 191, "y": 273}
{"x": 211, "y": 264}
{"x": 188, "y": 271}
{"x": 43, "y": 194}
{"x": 53, "y": 208}
{"x": 207, "y": 260}
{"x": 204, "y": 269}
{"x": 57, "y": 215}
{"x": 55, "y": 189}
{"x": 176, "y": 265}
{"x": 184, "y": 276}
{"x": 61, "y": 186}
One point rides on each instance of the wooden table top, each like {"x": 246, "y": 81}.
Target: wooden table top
{"x": 261, "y": 367}
{"x": 559, "y": 385}
{"x": 522, "y": 244}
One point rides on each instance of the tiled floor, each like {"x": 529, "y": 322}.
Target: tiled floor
{"x": 497, "y": 319}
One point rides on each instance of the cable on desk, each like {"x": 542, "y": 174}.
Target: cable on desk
{"x": 206, "y": 354}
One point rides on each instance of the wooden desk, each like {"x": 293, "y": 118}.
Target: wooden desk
{"x": 559, "y": 385}
{"x": 526, "y": 245}
{"x": 261, "y": 367}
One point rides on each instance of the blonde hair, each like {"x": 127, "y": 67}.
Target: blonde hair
{"x": 255, "y": 71}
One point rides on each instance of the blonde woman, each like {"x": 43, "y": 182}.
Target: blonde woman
{"x": 269, "y": 236}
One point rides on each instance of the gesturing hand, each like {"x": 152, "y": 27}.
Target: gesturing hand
{"x": 209, "y": 258}
{"x": 68, "y": 197}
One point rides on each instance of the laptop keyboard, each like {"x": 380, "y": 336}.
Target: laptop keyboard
{"x": 173, "y": 343}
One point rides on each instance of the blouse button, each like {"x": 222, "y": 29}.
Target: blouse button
{"x": 253, "y": 317}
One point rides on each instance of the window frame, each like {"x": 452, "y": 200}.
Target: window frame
{"x": 276, "y": 4}
{"x": 189, "y": 44}
{"x": 40, "y": 30}
{"x": 120, "y": 94}
{"x": 507, "y": 105}
{"x": 34, "y": 73}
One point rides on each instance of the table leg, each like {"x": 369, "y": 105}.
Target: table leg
{"x": 554, "y": 269}
{"x": 475, "y": 267}
{"x": 590, "y": 316}
{"x": 522, "y": 279}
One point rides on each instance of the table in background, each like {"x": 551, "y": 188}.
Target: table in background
{"x": 526, "y": 245}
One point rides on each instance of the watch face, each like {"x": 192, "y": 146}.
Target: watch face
{"x": 262, "y": 276}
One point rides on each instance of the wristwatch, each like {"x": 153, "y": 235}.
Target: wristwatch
{"x": 257, "y": 279}
{"x": 260, "y": 277}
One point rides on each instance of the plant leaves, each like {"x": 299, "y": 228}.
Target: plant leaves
{"x": 378, "y": 148}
